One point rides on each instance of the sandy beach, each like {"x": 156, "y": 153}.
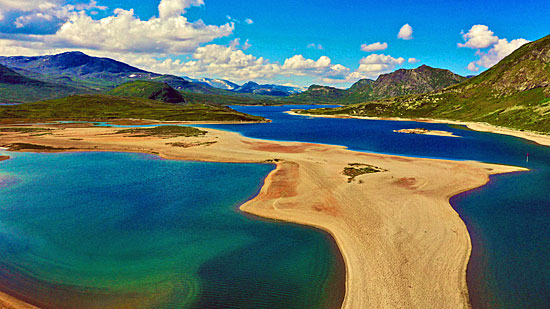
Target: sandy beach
{"x": 538, "y": 138}
{"x": 403, "y": 244}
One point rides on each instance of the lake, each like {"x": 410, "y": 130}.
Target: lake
{"x": 131, "y": 230}
{"x": 508, "y": 219}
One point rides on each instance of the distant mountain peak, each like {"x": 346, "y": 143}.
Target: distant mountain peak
{"x": 73, "y": 63}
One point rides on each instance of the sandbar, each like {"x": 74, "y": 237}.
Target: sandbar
{"x": 403, "y": 244}
{"x": 423, "y": 131}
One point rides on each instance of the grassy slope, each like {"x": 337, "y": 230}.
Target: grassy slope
{"x": 15, "y": 87}
{"x": 514, "y": 93}
{"x": 104, "y": 107}
{"x": 148, "y": 90}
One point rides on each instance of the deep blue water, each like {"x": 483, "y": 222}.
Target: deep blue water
{"x": 96, "y": 230}
{"x": 508, "y": 219}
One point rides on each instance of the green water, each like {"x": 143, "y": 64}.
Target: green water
{"x": 130, "y": 230}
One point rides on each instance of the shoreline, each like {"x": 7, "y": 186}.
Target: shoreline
{"x": 538, "y": 138}
{"x": 388, "y": 249}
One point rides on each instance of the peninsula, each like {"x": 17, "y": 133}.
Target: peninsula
{"x": 402, "y": 242}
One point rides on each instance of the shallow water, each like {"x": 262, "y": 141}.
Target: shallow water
{"x": 131, "y": 230}
{"x": 508, "y": 220}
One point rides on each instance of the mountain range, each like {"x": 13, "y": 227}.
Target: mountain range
{"x": 401, "y": 82}
{"x": 94, "y": 74}
{"x": 514, "y": 93}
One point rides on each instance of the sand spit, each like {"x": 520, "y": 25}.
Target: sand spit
{"x": 538, "y": 138}
{"x": 403, "y": 244}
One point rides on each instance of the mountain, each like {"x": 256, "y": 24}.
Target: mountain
{"x": 268, "y": 89}
{"x": 321, "y": 94}
{"x": 403, "y": 82}
{"x": 215, "y": 83}
{"x": 513, "y": 93}
{"x": 148, "y": 90}
{"x": 76, "y": 64}
{"x": 17, "y": 88}
{"x": 97, "y": 74}
{"x": 398, "y": 83}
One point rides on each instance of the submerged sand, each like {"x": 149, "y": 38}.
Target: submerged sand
{"x": 403, "y": 244}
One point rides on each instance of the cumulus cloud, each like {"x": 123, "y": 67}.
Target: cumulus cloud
{"x": 376, "y": 64}
{"x": 473, "y": 67}
{"x": 249, "y": 21}
{"x": 28, "y": 5}
{"x": 405, "y": 32}
{"x": 374, "y": 47}
{"x": 500, "y": 50}
{"x": 39, "y": 17}
{"x": 167, "y": 43}
{"x": 315, "y": 46}
{"x": 413, "y": 60}
{"x": 170, "y": 33}
{"x": 480, "y": 37}
{"x": 174, "y": 8}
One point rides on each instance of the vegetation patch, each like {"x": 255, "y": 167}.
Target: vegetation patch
{"x": 357, "y": 169}
{"x": 27, "y": 146}
{"x": 188, "y": 145}
{"x": 163, "y": 131}
{"x": 24, "y": 130}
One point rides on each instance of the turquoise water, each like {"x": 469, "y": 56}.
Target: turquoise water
{"x": 508, "y": 220}
{"x": 131, "y": 230}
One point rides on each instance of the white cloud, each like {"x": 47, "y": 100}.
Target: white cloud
{"x": 125, "y": 32}
{"x": 160, "y": 44}
{"x": 479, "y": 36}
{"x": 25, "y": 20}
{"x": 246, "y": 45}
{"x": 376, "y": 64}
{"x": 413, "y": 60}
{"x": 315, "y": 46}
{"x": 249, "y": 21}
{"x": 300, "y": 65}
{"x": 473, "y": 67}
{"x": 499, "y": 50}
{"x": 374, "y": 47}
{"x": 28, "y": 5}
{"x": 40, "y": 17}
{"x": 405, "y": 32}
{"x": 174, "y": 8}
{"x": 369, "y": 67}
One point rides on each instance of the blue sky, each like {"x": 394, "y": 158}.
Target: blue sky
{"x": 294, "y": 42}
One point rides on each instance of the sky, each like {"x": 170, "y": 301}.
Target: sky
{"x": 285, "y": 42}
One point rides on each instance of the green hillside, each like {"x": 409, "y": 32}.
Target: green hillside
{"x": 148, "y": 90}
{"x": 514, "y": 93}
{"x": 104, "y": 107}
{"x": 17, "y": 88}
